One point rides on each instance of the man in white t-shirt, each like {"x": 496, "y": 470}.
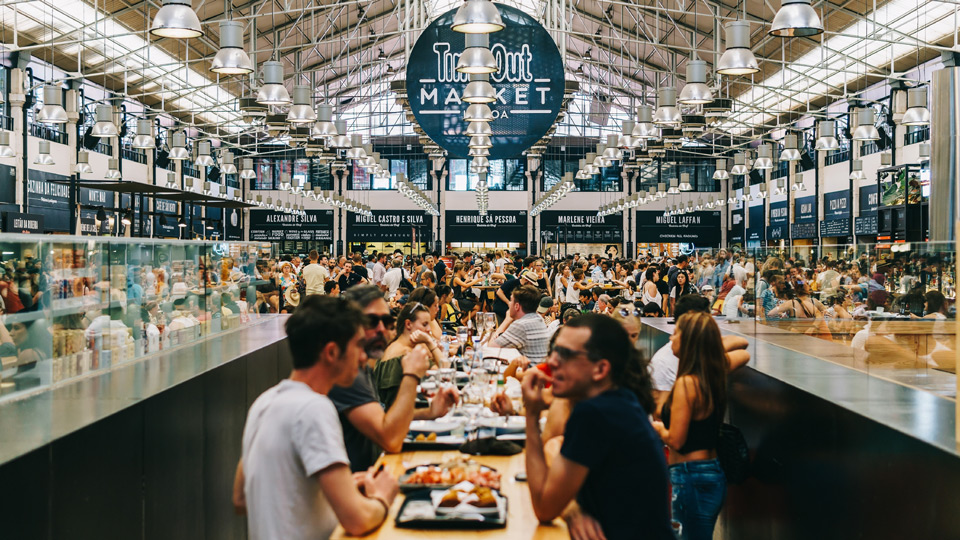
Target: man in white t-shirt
{"x": 294, "y": 479}
{"x": 393, "y": 277}
{"x": 664, "y": 364}
{"x": 315, "y": 274}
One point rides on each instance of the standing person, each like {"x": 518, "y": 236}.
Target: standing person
{"x": 314, "y": 274}
{"x": 572, "y": 298}
{"x": 681, "y": 287}
{"x": 348, "y": 278}
{"x": 682, "y": 264}
{"x": 391, "y": 280}
{"x": 379, "y": 270}
{"x": 611, "y": 461}
{"x": 294, "y": 478}
{"x": 691, "y": 422}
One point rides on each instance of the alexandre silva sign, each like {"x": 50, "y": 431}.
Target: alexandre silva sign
{"x": 529, "y": 84}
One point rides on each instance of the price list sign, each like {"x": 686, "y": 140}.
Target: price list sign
{"x": 271, "y": 226}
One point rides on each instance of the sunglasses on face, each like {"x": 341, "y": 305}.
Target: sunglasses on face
{"x": 565, "y": 354}
{"x": 625, "y": 312}
{"x": 372, "y": 321}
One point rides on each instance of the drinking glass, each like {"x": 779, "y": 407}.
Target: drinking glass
{"x": 490, "y": 321}
{"x": 429, "y": 385}
{"x": 446, "y": 377}
{"x": 463, "y": 335}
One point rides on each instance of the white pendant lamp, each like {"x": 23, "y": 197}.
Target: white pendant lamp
{"x": 479, "y": 89}
{"x": 5, "y": 149}
{"x": 44, "y": 157}
{"x": 479, "y": 128}
{"x": 341, "y": 140}
{"x": 781, "y": 187}
{"x": 227, "y": 163}
{"x": 478, "y": 112}
{"x": 674, "y": 187}
{"x": 685, "y": 182}
{"x": 591, "y": 167}
{"x": 667, "y": 113}
{"x": 480, "y": 162}
{"x": 301, "y": 112}
{"x": 273, "y": 92}
{"x": 866, "y": 131}
{"x": 171, "y": 179}
{"x": 477, "y": 17}
{"x": 857, "y": 170}
{"x": 477, "y": 57}
{"x": 324, "y": 126}
{"x": 246, "y": 169}
{"x": 796, "y": 18}
{"x": 720, "y": 172}
{"x": 613, "y": 152}
{"x": 203, "y": 159}
{"x": 479, "y": 152}
{"x": 790, "y": 151}
{"x": 737, "y": 59}
{"x": 83, "y": 163}
{"x": 626, "y": 140}
{"x": 104, "y": 127}
{"x": 356, "y": 150}
{"x": 917, "y": 113}
{"x": 231, "y": 59}
{"x": 113, "y": 169}
{"x": 696, "y": 91}
{"x": 144, "y": 138}
{"x": 764, "y": 159}
{"x": 52, "y": 111}
{"x": 177, "y": 20}
{"x": 826, "y": 139}
{"x": 645, "y": 128}
{"x": 739, "y": 164}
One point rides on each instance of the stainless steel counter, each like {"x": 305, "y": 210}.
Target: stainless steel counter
{"x": 37, "y": 420}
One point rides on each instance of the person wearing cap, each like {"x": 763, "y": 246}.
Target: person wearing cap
{"x": 524, "y": 328}
{"x": 548, "y": 312}
{"x": 501, "y": 304}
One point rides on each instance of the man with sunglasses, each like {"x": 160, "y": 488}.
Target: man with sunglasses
{"x": 367, "y": 428}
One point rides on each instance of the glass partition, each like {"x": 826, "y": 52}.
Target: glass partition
{"x": 74, "y": 306}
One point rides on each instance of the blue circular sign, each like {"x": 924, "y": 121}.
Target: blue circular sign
{"x": 529, "y": 84}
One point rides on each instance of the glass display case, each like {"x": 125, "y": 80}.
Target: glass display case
{"x": 74, "y": 306}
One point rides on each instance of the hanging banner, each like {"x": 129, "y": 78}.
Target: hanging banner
{"x": 16, "y": 222}
{"x": 497, "y": 226}
{"x": 804, "y": 217}
{"x": 95, "y": 197}
{"x": 836, "y": 204}
{"x": 866, "y": 223}
{"x": 232, "y": 228}
{"x": 702, "y": 229}
{"x": 273, "y": 226}
{"x": 736, "y": 233}
{"x": 757, "y": 223}
{"x": 529, "y": 84}
{"x": 779, "y": 221}
{"x": 166, "y": 218}
{"x": 582, "y": 227}
{"x": 389, "y": 226}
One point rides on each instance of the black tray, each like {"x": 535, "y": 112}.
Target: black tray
{"x": 446, "y": 522}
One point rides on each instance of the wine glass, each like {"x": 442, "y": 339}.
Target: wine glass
{"x": 490, "y": 321}
{"x": 463, "y": 335}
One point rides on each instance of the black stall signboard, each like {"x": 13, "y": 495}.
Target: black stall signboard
{"x": 389, "y": 226}
{"x": 805, "y": 218}
{"x": 126, "y": 200}
{"x": 166, "y": 218}
{"x": 88, "y": 223}
{"x": 8, "y": 183}
{"x": 836, "y": 213}
{"x": 736, "y": 233}
{"x": 757, "y": 223}
{"x": 582, "y": 227}
{"x": 49, "y": 199}
{"x": 497, "y": 226}
{"x": 233, "y": 228}
{"x": 272, "y": 226}
{"x": 779, "y": 220}
{"x": 95, "y": 197}
{"x": 17, "y": 222}
{"x": 866, "y": 223}
{"x": 702, "y": 229}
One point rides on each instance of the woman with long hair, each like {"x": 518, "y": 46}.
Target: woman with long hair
{"x": 430, "y": 299}
{"x": 650, "y": 291}
{"x": 413, "y": 327}
{"x": 691, "y": 417}
{"x": 682, "y": 287}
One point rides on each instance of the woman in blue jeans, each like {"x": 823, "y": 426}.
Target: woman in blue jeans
{"x": 691, "y": 424}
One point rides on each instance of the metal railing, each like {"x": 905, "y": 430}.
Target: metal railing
{"x": 868, "y": 148}
{"x": 922, "y": 133}
{"x": 48, "y": 133}
{"x": 837, "y": 156}
{"x": 133, "y": 154}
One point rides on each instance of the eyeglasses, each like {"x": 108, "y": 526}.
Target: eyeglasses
{"x": 565, "y": 354}
{"x": 372, "y": 321}
{"x": 625, "y": 312}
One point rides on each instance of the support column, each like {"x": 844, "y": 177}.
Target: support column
{"x": 17, "y": 99}
{"x": 73, "y": 141}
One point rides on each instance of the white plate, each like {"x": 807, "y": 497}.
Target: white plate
{"x": 433, "y": 426}
{"x": 504, "y": 424}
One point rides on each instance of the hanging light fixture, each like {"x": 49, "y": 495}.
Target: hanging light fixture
{"x": 178, "y": 146}
{"x": 203, "y": 159}
{"x": 479, "y": 89}
{"x": 737, "y": 59}
{"x": 52, "y": 111}
{"x": 720, "y": 172}
{"x": 477, "y": 17}
{"x": 177, "y": 20}
{"x": 478, "y": 152}
{"x": 227, "y": 164}
{"x": 356, "y": 150}
{"x": 674, "y": 187}
{"x": 685, "y": 182}
{"x": 324, "y": 126}
{"x": 917, "y": 113}
{"x": 739, "y": 164}
{"x": 480, "y": 141}
{"x": 764, "y": 159}
{"x": 246, "y": 169}
{"x": 791, "y": 150}
{"x": 478, "y": 113}
{"x": 866, "y": 131}
{"x": 301, "y": 112}
{"x": 113, "y": 169}
{"x": 144, "y": 138}
{"x": 479, "y": 128}
{"x": 826, "y": 140}
{"x": 231, "y": 59}
{"x": 645, "y": 128}
{"x": 5, "y": 149}
{"x": 602, "y": 161}
{"x": 477, "y": 57}
{"x": 667, "y": 113}
{"x": 104, "y": 127}
{"x": 612, "y": 152}
{"x": 781, "y": 187}
{"x": 44, "y": 157}
{"x": 341, "y": 140}
{"x": 696, "y": 91}
{"x": 273, "y": 92}
{"x": 796, "y": 18}
{"x": 856, "y": 172}
{"x": 626, "y": 140}
{"x": 83, "y": 163}
{"x": 171, "y": 179}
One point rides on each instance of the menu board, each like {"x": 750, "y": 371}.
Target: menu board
{"x": 496, "y": 226}
{"x": 388, "y": 226}
{"x": 866, "y": 223}
{"x": 50, "y": 199}
{"x": 273, "y": 226}
{"x": 702, "y": 229}
{"x": 582, "y": 227}
{"x": 803, "y": 230}
{"x": 779, "y": 220}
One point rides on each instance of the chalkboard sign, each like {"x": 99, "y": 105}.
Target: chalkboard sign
{"x": 272, "y": 226}
{"x": 835, "y": 227}
{"x": 866, "y": 225}
{"x": 803, "y": 230}
{"x": 581, "y": 227}
{"x": 496, "y": 226}
{"x": 702, "y": 229}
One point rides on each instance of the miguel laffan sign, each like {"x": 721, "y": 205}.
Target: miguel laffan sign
{"x": 529, "y": 84}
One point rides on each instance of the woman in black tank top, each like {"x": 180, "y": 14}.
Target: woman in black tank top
{"x": 691, "y": 425}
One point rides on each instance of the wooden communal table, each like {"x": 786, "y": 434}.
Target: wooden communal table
{"x": 522, "y": 524}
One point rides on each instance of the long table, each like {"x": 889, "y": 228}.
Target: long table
{"x": 522, "y": 524}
